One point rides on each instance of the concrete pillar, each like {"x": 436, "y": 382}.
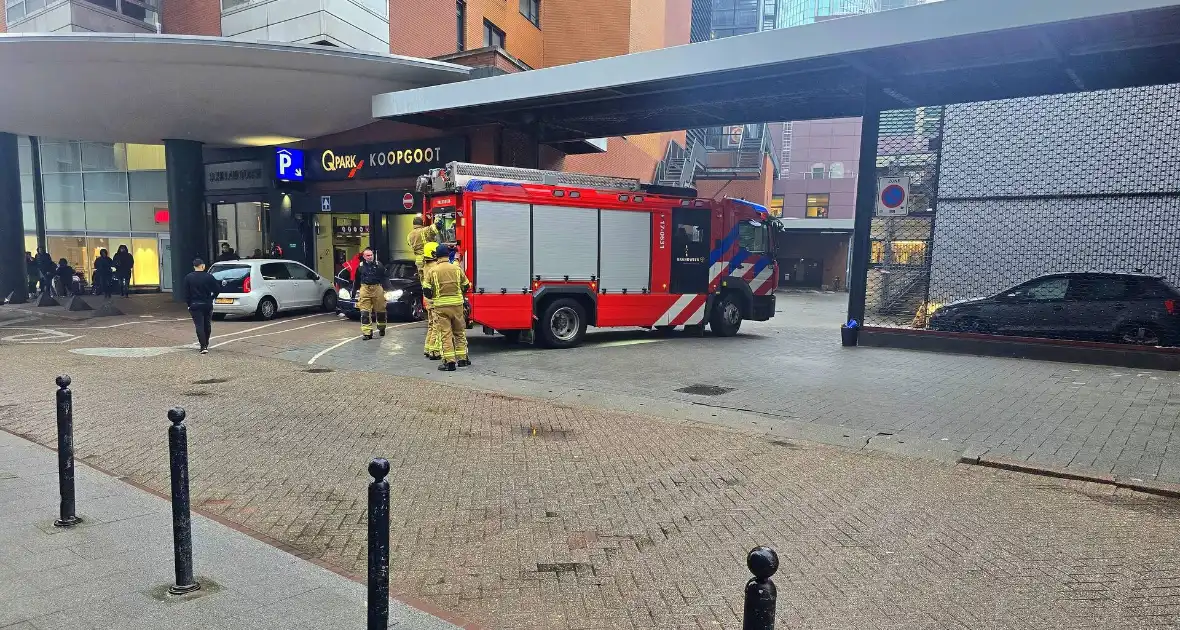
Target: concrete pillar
{"x": 866, "y": 203}
{"x": 186, "y": 207}
{"x": 13, "y": 279}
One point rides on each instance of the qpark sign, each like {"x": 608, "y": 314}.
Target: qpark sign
{"x": 386, "y": 160}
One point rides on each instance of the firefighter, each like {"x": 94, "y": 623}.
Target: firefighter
{"x": 418, "y": 238}
{"x": 445, "y": 285}
{"x": 368, "y": 285}
{"x": 433, "y": 348}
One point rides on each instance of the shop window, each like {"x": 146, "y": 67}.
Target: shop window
{"x": 531, "y": 10}
{"x": 61, "y": 157}
{"x": 108, "y": 217}
{"x": 62, "y": 187}
{"x": 145, "y": 157}
{"x": 27, "y": 214}
{"x": 65, "y": 217}
{"x": 146, "y": 252}
{"x": 817, "y": 206}
{"x": 753, "y": 238}
{"x": 103, "y": 156}
{"x": 493, "y": 36}
{"x": 150, "y": 217}
{"x": 26, "y": 187}
{"x": 104, "y": 186}
{"x": 148, "y": 186}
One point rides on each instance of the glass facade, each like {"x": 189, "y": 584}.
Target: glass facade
{"x": 147, "y": 11}
{"x": 798, "y": 12}
{"x": 99, "y": 195}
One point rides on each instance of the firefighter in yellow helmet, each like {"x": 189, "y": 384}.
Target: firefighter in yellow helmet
{"x": 417, "y": 240}
{"x": 445, "y": 283}
{"x": 433, "y": 349}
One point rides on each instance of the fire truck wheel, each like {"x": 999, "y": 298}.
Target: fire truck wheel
{"x": 726, "y": 318}
{"x": 563, "y": 325}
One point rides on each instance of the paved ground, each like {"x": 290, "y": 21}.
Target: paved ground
{"x": 525, "y": 513}
{"x": 789, "y": 375}
{"x": 113, "y": 570}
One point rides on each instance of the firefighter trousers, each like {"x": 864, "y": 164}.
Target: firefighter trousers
{"x": 452, "y": 329}
{"x": 433, "y": 340}
{"x": 371, "y": 303}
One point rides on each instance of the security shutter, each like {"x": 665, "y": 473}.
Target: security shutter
{"x": 501, "y": 246}
{"x": 626, "y": 250}
{"x": 565, "y": 243}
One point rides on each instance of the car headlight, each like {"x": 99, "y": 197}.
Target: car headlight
{"x": 392, "y": 296}
{"x": 344, "y": 294}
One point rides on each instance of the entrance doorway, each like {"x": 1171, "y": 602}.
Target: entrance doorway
{"x": 165, "y": 263}
{"x": 242, "y": 227}
{"x": 339, "y": 237}
{"x": 803, "y": 272}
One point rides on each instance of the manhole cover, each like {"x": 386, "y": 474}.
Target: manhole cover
{"x": 318, "y": 370}
{"x": 211, "y": 381}
{"x": 705, "y": 390}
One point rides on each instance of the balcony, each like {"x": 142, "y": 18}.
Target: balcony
{"x": 357, "y": 24}
{"x": 73, "y": 16}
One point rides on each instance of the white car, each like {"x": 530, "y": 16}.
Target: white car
{"x": 265, "y": 287}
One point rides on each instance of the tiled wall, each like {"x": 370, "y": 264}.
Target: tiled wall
{"x": 825, "y": 142}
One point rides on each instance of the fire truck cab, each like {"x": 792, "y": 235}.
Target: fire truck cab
{"x": 554, "y": 252}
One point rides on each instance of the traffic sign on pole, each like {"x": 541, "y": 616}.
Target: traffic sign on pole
{"x": 893, "y": 196}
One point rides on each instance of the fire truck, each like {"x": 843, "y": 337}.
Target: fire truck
{"x": 550, "y": 253}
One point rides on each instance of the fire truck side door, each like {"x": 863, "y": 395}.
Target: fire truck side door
{"x": 690, "y": 251}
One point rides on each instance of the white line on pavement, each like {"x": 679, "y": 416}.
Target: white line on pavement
{"x": 277, "y": 332}
{"x": 327, "y": 350}
{"x": 285, "y": 321}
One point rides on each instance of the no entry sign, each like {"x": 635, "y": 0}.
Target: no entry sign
{"x": 893, "y": 196}
{"x": 408, "y": 201}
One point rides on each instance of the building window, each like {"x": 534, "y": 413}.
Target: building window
{"x": 492, "y": 35}
{"x": 818, "y": 171}
{"x": 734, "y": 17}
{"x": 776, "y": 205}
{"x": 817, "y": 206}
{"x": 836, "y": 170}
{"x": 902, "y": 253}
{"x": 531, "y": 9}
{"x": 461, "y": 24}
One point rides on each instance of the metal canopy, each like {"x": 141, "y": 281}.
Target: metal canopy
{"x": 945, "y": 52}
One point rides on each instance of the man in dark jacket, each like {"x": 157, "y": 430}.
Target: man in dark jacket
{"x": 227, "y": 253}
{"x": 368, "y": 285}
{"x": 48, "y": 269}
{"x": 32, "y": 273}
{"x": 104, "y": 274}
{"x": 124, "y": 263}
{"x": 200, "y": 289}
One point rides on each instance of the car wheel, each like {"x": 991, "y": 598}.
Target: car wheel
{"x": 563, "y": 324}
{"x": 219, "y": 317}
{"x": 726, "y": 318}
{"x": 1139, "y": 335}
{"x": 328, "y": 304}
{"x": 417, "y": 310}
{"x": 267, "y": 309}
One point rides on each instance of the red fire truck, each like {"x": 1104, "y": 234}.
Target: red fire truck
{"x": 553, "y": 252}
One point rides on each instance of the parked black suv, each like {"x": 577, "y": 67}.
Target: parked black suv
{"x": 403, "y": 293}
{"x": 1113, "y": 307}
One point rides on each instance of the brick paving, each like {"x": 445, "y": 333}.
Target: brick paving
{"x": 518, "y": 513}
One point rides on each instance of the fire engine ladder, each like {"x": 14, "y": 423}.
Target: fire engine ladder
{"x": 458, "y": 174}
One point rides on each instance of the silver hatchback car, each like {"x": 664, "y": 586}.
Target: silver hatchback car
{"x": 265, "y": 287}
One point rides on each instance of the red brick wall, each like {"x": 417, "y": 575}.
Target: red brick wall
{"x": 424, "y": 28}
{"x": 3, "y": 19}
{"x": 676, "y": 22}
{"x": 579, "y": 30}
{"x": 191, "y": 17}
{"x": 522, "y": 39}
{"x": 622, "y": 159}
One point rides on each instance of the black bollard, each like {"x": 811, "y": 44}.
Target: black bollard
{"x": 182, "y": 528}
{"x": 761, "y": 594}
{"x": 65, "y": 453}
{"x": 378, "y": 613}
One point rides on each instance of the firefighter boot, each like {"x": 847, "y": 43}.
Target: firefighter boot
{"x": 464, "y": 362}
{"x": 449, "y": 366}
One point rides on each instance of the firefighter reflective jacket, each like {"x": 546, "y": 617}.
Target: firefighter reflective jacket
{"x": 448, "y": 282}
{"x": 418, "y": 238}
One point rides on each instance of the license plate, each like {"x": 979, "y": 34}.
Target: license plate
{"x": 223, "y": 301}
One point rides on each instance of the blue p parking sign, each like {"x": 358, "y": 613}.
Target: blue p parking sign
{"x": 288, "y": 164}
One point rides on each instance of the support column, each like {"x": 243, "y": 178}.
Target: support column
{"x": 38, "y": 191}
{"x": 866, "y": 203}
{"x": 186, "y": 206}
{"x": 12, "y": 225}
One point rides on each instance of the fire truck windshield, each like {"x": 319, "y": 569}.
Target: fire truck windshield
{"x": 445, "y": 222}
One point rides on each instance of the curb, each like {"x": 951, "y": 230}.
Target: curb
{"x": 1160, "y": 489}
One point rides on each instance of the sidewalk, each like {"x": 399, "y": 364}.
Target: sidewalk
{"x": 113, "y": 571}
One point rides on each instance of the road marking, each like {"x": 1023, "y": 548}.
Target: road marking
{"x": 277, "y": 332}
{"x": 321, "y": 353}
{"x": 623, "y": 342}
{"x": 285, "y": 321}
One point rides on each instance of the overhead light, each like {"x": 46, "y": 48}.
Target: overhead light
{"x": 265, "y": 141}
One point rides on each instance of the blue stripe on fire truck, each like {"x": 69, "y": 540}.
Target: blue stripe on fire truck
{"x": 726, "y": 243}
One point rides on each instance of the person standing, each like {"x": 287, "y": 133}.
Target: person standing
{"x": 445, "y": 285}
{"x": 65, "y": 278}
{"x": 417, "y": 240}
{"x": 124, "y": 263}
{"x": 227, "y": 253}
{"x": 368, "y": 285}
{"x": 31, "y": 273}
{"x": 104, "y": 273}
{"x": 433, "y": 347}
{"x": 200, "y": 289}
{"x": 47, "y": 268}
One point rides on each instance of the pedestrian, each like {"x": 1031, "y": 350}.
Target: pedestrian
{"x": 31, "y": 273}
{"x": 368, "y": 287}
{"x": 258, "y": 253}
{"x": 445, "y": 285}
{"x": 227, "y": 253}
{"x": 124, "y": 264}
{"x": 104, "y": 274}
{"x": 275, "y": 250}
{"x": 417, "y": 240}
{"x": 47, "y": 269}
{"x": 200, "y": 289}
{"x": 433, "y": 347}
{"x": 67, "y": 278}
